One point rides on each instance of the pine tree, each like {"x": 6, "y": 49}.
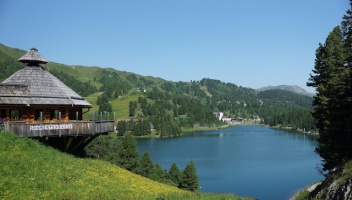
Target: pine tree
{"x": 121, "y": 127}
{"x": 132, "y": 108}
{"x": 174, "y": 174}
{"x": 189, "y": 178}
{"x": 347, "y": 103}
{"x": 145, "y": 166}
{"x": 158, "y": 174}
{"x": 127, "y": 155}
{"x": 329, "y": 79}
{"x": 99, "y": 148}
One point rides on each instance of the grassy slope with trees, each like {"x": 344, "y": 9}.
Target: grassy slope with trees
{"x": 30, "y": 170}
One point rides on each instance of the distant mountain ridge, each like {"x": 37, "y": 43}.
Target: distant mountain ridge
{"x": 292, "y": 88}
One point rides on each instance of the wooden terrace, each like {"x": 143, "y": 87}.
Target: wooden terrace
{"x": 60, "y": 128}
{"x": 36, "y": 104}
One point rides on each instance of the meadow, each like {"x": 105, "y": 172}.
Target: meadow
{"x": 30, "y": 170}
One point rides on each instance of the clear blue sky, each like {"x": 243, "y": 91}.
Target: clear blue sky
{"x": 251, "y": 43}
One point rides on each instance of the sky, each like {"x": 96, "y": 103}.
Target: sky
{"x": 251, "y": 43}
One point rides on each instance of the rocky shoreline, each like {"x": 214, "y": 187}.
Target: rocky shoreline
{"x": 310, "y": 188}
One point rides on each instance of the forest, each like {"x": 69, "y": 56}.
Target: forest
{"x": 168, "y": 107}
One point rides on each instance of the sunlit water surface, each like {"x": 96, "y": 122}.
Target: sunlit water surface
{"x": 250, "y": 161}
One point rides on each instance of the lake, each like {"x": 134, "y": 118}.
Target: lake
{"x": 252, "y": 161}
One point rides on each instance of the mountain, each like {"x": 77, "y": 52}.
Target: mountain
{"x": 292, "y": 88}
{"x": 186, "y": 104}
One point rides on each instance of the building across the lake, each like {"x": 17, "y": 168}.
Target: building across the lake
{"x": 34, "y": 103}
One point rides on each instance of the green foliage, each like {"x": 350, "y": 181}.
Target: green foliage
{"x": 135, "y": 128}
{"x": 332, "y": 78}
{"x": 122, "y": 151}
{"x": 189, "y": 178}
{"x": 8, "y": 66}
{"x": 104, "y": 103}
{"x": 99, "y": 148}
{"x": 30, "y": 170}
{"x": 286, "y": 115}
{"x": 283, "y": 96}
{"x": 127, "y": 155}
{"x": 82, "y": 88}
{"x": 132, "y": 108}
{"x": 303, "y": 195}
{"x": 145, "y": 166}
{"x": 158, "y": 174}
{"x": 121, "y": 127}
{"x": 174, "y": 174}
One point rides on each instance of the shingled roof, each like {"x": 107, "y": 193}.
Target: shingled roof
{"x": 33, "y": 85}
{"x": 33, "y": 57}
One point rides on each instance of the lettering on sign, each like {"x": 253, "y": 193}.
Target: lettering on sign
{"x": 50, "y": 127}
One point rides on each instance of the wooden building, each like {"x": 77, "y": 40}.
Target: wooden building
{"x": 34, "y": 103}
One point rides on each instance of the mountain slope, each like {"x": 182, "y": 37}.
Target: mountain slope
{"x": 292, "y": 88}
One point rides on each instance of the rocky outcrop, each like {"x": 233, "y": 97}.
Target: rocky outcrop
{"x": 337, "y": 185}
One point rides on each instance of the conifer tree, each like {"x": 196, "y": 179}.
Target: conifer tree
{"x": 99, "y": 148}
{"x": 347, "y": 105}
{"x": 189, "y": 178}
{"x": 121, "y": 127}
{"x": 332, "y": 80}
{"x": 132, "y": 108}
{"x": 127, "y": 155}
{"x": 145, "y": 166}
{"x": 158, "y": 174}
{"x": 174, "y": 174}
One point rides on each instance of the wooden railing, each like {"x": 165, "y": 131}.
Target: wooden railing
{"x": 58, "y": 129}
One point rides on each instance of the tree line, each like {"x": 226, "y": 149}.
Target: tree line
{"x": 122, "y": 151}
{"x": 168, "y": 113}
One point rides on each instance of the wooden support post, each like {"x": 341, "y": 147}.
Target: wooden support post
{"x": 68, "y": 143}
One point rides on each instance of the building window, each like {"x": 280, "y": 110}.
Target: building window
{"x": 15, "y": 114}
{"x": 37, "y": 114}
{"x": 2, "y": 113}
{"x": 54, "y": 114}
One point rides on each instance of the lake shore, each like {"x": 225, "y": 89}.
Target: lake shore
{"x": 302, "y": 194}
{"x": 242, "y": 154}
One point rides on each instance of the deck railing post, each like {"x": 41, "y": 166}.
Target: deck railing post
{"x": 101, "y": 121}
{"x": 76, "y": 123}
{"x": 59, "y": 123}
{"x": 41, "y": 122}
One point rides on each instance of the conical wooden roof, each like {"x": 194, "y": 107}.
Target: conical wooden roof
{"x": 33, "y": 85}
{"x": 33, "y": 56}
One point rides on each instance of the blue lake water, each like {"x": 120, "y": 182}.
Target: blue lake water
{"x": 250, "y": 161}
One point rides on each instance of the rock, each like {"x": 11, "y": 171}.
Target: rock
{"x": 335, "y": 186}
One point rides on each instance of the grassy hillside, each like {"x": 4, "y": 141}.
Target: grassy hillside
{"x": 30, "y": 170}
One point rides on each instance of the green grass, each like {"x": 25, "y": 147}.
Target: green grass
{"x": 302, "y": 195}
{"x": 121, "y": 105}
{"x": 30, "y": 170}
